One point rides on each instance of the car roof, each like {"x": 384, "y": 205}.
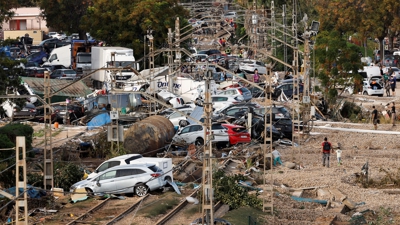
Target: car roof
{"x": 124, "y": 156}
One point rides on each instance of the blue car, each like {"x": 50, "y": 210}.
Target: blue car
{"x": 38, "y": 57}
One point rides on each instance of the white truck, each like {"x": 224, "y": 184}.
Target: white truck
{"x": 61, "y": 55}
{"x": 102, "y": 58}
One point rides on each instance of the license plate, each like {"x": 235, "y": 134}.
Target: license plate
{"x": 243, "y": 136}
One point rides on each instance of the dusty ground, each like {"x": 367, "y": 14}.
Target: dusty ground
{"x": 378, "y": 149}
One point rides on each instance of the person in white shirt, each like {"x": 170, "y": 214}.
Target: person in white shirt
{"x": 339, "y": 156}
{"x": 277, "y": 156}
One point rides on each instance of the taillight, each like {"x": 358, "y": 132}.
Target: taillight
{"x": 179, "y": 101}
{"x": 64, "y": 75}
{"x": 240, "y": 91}
{"x": 155, "y": 174}
{"x": 235, "y": 102}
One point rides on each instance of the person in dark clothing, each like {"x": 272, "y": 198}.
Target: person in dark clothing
{"x": 392, "y": 82}
{"x": 375, "y": 117}
{"x": 393, "y": 114}
{"x": 326, "y": 152}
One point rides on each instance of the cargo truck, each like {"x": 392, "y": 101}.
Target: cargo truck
{"x": 111, "y": 57}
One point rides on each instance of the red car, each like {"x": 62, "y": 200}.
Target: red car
{"x": 237, "y": 134}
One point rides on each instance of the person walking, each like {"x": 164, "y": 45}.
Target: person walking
{"x": 392, "y": 82}
{"x": 339, "y": 156}
{"x": 375, "y": 117}
{"x": 256, "y": 76}
{"x": 326, "y": 152}
{"x": 277, "y": 156}
{"x": 393, "y": 115}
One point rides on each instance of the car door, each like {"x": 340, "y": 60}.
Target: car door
{"x": 220, "y": 133}
{"x": 182, "y": 135}
{"x": 195, "y": 132}
{"x": 106, "y": 182}
{"x": 125, "y": 181}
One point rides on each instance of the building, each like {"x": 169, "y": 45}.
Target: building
{"x": 25, "y": 21}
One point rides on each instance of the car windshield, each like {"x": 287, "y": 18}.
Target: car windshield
{"x": 248, "y": 62}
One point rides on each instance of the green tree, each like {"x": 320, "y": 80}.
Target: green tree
{"x": 125, "y": 22}
{"x": 337, "y": 64}
{"x": 66, "y": 15}
{"x": 369, "y": 18}
{"x": 6, "y": 10}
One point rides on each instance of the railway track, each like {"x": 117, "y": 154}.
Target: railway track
{"x": 90, "y": 211}
{"x": 127, "y": 211}
{"x": 178, "y": 208}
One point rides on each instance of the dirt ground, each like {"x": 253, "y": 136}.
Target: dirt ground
{"x": 380, "y": 150}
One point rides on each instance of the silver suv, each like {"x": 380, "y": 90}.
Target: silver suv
{"x": 137, "y": 178}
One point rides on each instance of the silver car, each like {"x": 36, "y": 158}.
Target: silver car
{"x": 137, "y": 178}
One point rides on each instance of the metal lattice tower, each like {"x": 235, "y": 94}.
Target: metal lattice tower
{"x": 296, "y": 90}
{"x": 170, "y": 59}
{"x": 268, "y": 202}
{"x": 208, "y": 193}
{"x": 48, "y": 148}
{"x": 21, "y": 165}
{"x": 273, "y": 44}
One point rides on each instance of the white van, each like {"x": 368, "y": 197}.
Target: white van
{"x": 396, "y": 53}
{"x": 61, "y": 55}
{"x": 163, "y": 163}
{"x": 372, "y": 71}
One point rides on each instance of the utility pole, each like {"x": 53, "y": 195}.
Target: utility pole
{"x": 208, "y": 193}
{"x": 273, "y": 44}
{"x": 177, "y": 52}
{"x": 151, "y": 62}
{"x": 170, "y": 60}
{"x": 48, "y": 182}
{"x": 284, "y": 37}
{"x": 21, "y": 162}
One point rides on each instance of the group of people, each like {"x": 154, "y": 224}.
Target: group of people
{"x": 391, "y": 112}
{"x": 389, "y": 79}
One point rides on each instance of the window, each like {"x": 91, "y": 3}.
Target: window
{"x": 138, "y": 171}
{"x": 108, "y": 165}
{"x": 124, "y": 173}
{"x": 195, "y": 128}
{"x": 232, "y": 112}
{"x": 217, "y": 126}
{"x": 185, "y": 130}
{"x": 175, "y": 115}
{"x": 108, "y": 175}
{"x": 53, "y": 57}
{"x": 155, "y": 168}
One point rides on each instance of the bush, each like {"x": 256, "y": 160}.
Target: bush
{"x": 229, "y": 192}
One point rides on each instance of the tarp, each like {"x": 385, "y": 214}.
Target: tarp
{"x": 99, "y": 120}
{"x": 32, "y": 192}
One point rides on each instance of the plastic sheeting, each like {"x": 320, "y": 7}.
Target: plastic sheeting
{"x": 32, "y": 192}
{"x": 99, "y": 120}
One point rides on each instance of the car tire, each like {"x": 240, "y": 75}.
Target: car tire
{"x": 141, "y": 190}
{"x": 89, "y": 191}
{"x": 44, "y": 59}
{"x": 365, "y": 93}
{"x": 183, "y": 123}
{"x": 199, "y": 142}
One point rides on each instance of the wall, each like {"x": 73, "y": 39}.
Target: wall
{"x": 35, "y": 34}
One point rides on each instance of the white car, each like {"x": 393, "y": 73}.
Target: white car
{"x": 137, "y": 178}
{"x": 230, "y": 15}
{"x": 396, "y": 71}
{"x": 221, "y": 101}
{"x": 243, "y": 92}
{"x": 251, "y": 65}
{"x": 176, "y": 117}
{"x": 373, "y": 86}
{"x": 195, "y": 134}
{"x": 130, "y": 159}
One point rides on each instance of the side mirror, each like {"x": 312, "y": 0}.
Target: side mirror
{"x": 98, "y": 183}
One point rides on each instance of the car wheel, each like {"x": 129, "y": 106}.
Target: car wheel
{"x": 183, "y": 123}
{"x": 89, "y": 191}
{"x": 365, "y": 93}
{"x": 199, "y": 142}
{"x": 141, "y": 190}
{"x": 199, "y": 102}
{"x": 44, "y": 59}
